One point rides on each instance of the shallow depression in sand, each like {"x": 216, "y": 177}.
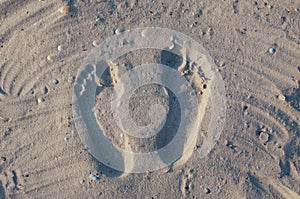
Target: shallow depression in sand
{"x": 137, "y": 117}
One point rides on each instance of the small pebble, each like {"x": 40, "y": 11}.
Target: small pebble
{"x": 40, "y": 100}
{"x": 207, "y": 190}
{"x": 26, "y": 174}
{"x": 95, "y": 177}
{"x": 272, "y": 51}
{"x": 229, "y": 144}
{"x": 119, "y": 31}
{"x": 95, "y": 43}
{"x": 222, "y": 64}
{"x": 298, "y": 68}
{"x": 60, "y": 48}
{"x": 50, "y": 58}
{"x": 281, "y": 97}
{"x": 71, "y": 80}
{"x": 264, "y": 137}
{"x": 66, "y": 139}
{"x": 65, "y": 9}
{"x": 55, "y": 81}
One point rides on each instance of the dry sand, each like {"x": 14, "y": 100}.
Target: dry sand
{"x": 43, "y": 47}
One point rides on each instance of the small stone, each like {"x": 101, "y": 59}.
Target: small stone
{"x": 298, "y": 68}
{"x": 229, "y": 144}
{"x": 95, "y": 177}
{"x": 55, "y": 81}
{"x": 95, "y": 43}
{"x": 222, "y": 64}
{"x": 272, "y": 51}
{"x": 196, "y": 147}
{"x": 119, "y": 31}
{"x": 50, "y": 58}
{"x": 71, "y": 80}
{"x": 207, "y": 190}
{"x": 26, "y": 175}
{"x": 65, "y": 9}
{"x": 40, "y": 100}
{"x": 60, "y": 48}
{"x": 281, "y": 97}
{"x": 66, "y": 139}
{"x": 263, "y": 136}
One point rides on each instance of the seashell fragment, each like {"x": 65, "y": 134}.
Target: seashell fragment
{"x": 281, "y": 97}
{"x": 65, "y": 9}
{"x": 60, "y": 48}
{"x": 272, "y": 51}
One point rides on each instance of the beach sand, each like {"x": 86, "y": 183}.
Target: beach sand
{"x": 255, "y": 45}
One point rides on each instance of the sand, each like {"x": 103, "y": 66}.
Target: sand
{"x": 255, "y": 47}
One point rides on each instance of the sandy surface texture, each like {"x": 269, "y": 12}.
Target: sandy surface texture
{"x": 50, "y": 100}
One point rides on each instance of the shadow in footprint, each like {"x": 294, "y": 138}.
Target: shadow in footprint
{"x": 2, "y": 91}
{"x": 171, "y": 59}
{"x": 292, "y": 153}
{"x": 254, "y": 189}
{"x": 105, "y": 78}
{"x": 2, "y": 192}
{"x": 171, "y": 126}
{"x": 294, "y": 97}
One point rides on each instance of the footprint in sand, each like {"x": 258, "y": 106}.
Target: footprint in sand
{"x": 122, "y": 114}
